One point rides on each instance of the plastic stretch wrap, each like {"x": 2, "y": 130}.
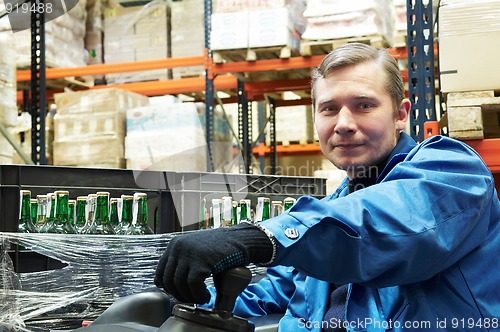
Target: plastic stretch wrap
{"x": 479, "y": 18}
{"x": 333, "y": 19}
{"x": 99, "y": 270}
{"x": 136, "y": 33}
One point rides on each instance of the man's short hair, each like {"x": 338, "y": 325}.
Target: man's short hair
{"x": 356, "y": 53}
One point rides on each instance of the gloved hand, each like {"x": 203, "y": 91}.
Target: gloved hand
{"x": 190, "y": 258}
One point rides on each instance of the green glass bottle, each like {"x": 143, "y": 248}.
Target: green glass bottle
{"x": 34, "y": 211}
{"x": 234, "y": 213}
{"x": 25, "y": 223}
{"x": 51, "y": 209}
{"x": 61, "y": 223}
{"x": 263, "y": 209}
{"x": 276, "y": 208}
{"x": 244, "y": 215}
{"x": 41, "y": 214}
{"x": 81, "y": 216}
{"x": 72, "y": 213}
{"x": 288, "y": 203}
{"x": 250, "y": 211}
{"x": 89, "y": 212}
{"x": 126, "y": 215}
{"x": 114, "y": 221}
{"x": 100, "y": 224}
{"x": 227, "y": 206}
{"x": 215, "y": 213}
{"x": 204, "y": 215}
{"x": 266, "y": 210}
{"x": 140, "y": 224}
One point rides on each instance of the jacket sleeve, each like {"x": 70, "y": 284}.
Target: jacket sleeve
{"x": 429, "y": 211}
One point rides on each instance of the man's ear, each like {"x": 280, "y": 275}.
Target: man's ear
{"x": 403, "y": 114}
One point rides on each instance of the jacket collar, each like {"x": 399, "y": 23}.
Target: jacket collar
{"x": 405, "y": 144}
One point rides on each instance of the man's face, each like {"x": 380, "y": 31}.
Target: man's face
{"x": 355, "y": 117}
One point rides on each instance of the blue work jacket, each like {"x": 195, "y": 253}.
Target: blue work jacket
{"x": 420, "y": 248}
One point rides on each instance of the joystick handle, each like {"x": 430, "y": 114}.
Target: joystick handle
{"x": 229, "y": 285}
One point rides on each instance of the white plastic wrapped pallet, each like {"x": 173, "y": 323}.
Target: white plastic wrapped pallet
{"x": 8, "y": 93}
{"x": 89, "y": 127}
{"x": 468, "y": 45}
{"x": 64, "y": 40}
{"x": 257, "y": 24}
{"x": 171, "y": 136}
{"x": 334, "y": 19}
{"x": 137, "y": 33}
{"x": 187, "y": 33}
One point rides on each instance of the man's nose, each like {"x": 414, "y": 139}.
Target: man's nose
{"x": 345, "y": 121}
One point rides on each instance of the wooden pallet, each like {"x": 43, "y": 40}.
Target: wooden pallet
{"x": 320, "y": 47}
{"x": 399, "y": 39}
{"x": 253, "y": 54}
{"x": 473, "y": 115}
{"x": 61, "y": 83}
{"x": 187, "y": 72}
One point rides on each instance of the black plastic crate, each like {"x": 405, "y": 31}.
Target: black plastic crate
{"x": 189, "y": 189}
{"x": 83, "y": 181}
{"x": 174, "y": 198}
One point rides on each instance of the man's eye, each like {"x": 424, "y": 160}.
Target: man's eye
{"x": 364, "y": 106}
{"x": 329, "y": 109}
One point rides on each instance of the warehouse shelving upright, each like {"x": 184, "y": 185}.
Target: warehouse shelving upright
{"x": 421, "y": 87}
{"x": 38, "y": 92}
{"x": 223, "y": 77}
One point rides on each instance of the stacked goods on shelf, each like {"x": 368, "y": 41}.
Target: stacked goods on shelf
{"x": 223, "y": 140}
{"x": 288, "y": 128}
{"x": 8, "y": 99}
{"x": 471, "y": 87}
{"x": 89, "y": 127}
{"x": 187, "y": 33}
{"x": 64, "y": 40}
{"x": 400, "y": 23}
{"x": 473, "y": 115}
{"x": 169, "y": 135}
{"x": 468, "y": 45}
{"x": 294, "y": 125}
{"x": 337, "y": 19}
{"x": 257, "y": 24}
{"x": 138, "y": 33}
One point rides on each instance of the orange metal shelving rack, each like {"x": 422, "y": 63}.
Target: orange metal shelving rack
{"x": 224, "y": 79}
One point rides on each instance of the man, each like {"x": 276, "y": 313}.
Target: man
{"x": 409, "y": 241}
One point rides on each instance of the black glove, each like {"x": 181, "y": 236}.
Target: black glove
{"x": 190, "y": 258}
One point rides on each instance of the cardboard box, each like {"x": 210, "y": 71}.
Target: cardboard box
{"x": 468, "y": 49}
{"x": 229, "y": 31}
{"x": 78, "y": 126}
{"x": 187, "y": 33}
{"x": 104, "y": 151}
{"x": 89, "y": 127}
{"x": 271, "y": 27}
{"x": 137, "y": 33}
{"x": 100, "y": 100}
{"x": 165, "y": 137}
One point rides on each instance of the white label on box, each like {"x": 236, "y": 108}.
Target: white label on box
{"x": 61, "y": 130}
{"x": 84, "y": 148}
{"x": 108, "y": 125}
{"x": 77, "y": 128}
{"x": 229, "y": 30}
{"x": 92, "y": 126}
